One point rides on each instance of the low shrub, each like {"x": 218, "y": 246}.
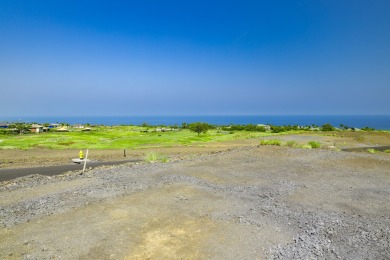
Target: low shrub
{"x": 387, "y": 151}
{"x": 314, "y": 144}
{"x": 305, "y": 146}
{"x": 359, "y": 138}
{"x": 7, "y": 147}
{"x": 277, "y": 129}
{"x": 327, "y": 127}
{"x": 156, "y": 157}
{"x": 292, "y": 143}
{"x": 250, "y": 127}
{"x": 67, "y": 143}
{"x": 271, "y": 142}
{"x": 372, "y": 151}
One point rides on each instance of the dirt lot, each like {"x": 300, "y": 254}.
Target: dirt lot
{"x": 247, "y": 202}
{"x": 47, "y": 157}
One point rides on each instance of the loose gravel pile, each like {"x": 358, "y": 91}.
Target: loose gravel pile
{"x": 247, "y": 203}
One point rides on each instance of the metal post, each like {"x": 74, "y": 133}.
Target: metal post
{"x": 85, "y": 160}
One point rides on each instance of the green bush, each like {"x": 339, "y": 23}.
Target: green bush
{"x": 314, "y": 144}
{"x": 277, "y": 129}
{"x": 372, "y": 151}
{"x": 327, "y": 127}
{"x": 387, "y": 151}
{"x": 271, "y": 142}
{"x": 155, "y": 157}
{"x": 250, "y": 128}
{"x": 368, "y": 129}
{"x": 292, "y": 143}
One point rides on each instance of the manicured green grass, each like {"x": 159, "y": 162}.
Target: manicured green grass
{"x": 117, "y": 137}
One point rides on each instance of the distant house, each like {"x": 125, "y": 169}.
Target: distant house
{"x": 164, "y": 129}
{"x": 53, "y": 125}
{"x": 266, "y": 127}
{"x": 36, "y": 128}
{"x": 63, "y": 129}
{"x": 3, "y": 125}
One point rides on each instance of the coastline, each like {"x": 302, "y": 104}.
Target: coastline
{"x": 379, "y": 122}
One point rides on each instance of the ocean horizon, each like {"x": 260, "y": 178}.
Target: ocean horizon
{"x": 381, "y": 122}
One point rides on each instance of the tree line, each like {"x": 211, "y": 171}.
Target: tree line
{"x": 202, "y": 127}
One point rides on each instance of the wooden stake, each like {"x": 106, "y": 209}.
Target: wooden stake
{"x": 85, "y": 160}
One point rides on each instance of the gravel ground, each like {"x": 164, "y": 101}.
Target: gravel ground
{"x": 246, "y": 203}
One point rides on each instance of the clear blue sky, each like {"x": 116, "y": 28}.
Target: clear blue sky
{"x": 194, "y": 57}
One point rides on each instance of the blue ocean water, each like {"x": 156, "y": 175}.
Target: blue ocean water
{"x": 358, "y": 121}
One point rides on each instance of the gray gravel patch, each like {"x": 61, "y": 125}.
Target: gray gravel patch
{"x": 313, "y": 194}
